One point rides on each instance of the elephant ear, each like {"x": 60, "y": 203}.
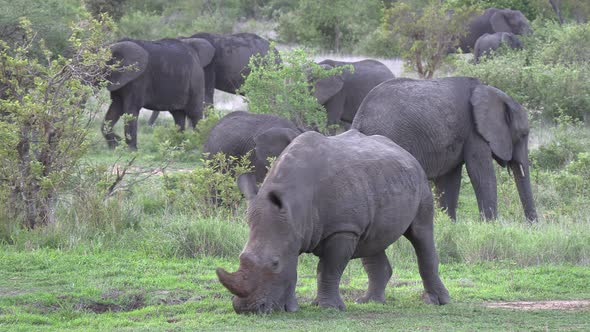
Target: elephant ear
{"x": 272, "y": 142}
{"x": 326, "y": 88}
{"x": 247, "y": 185}
{"x": 204, "y": 49}
{"x": 491, "y": 120}
{"x": 499, "y": 23}
{"x": 132, "y": 60}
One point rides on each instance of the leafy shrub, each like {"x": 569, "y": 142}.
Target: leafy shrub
{"x": 544, "y": 76}
{"x": 568, "y": 140}
{"x": 285, "y": 88}
{"x": 425, "y": 34}
{"x": 114, "y": 8}
{"x": 44, "y": 122}
{"x": 49, "y": 19}
{"x": 379, "y": 43}
{"x": 333, "y": 25}
{"x": 156, "y": 19}
{"x": 211, "y": 185}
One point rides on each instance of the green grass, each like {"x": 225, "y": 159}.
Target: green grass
{"x": 103, "y": 290}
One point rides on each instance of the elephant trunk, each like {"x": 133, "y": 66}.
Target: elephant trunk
{"x": 523, "y": 184}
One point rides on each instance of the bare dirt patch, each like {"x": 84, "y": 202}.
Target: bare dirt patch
{"x": 542, "y": 305}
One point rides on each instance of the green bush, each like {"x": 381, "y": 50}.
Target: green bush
{"x": 567, "y": 141}
{"x": 332, "y": 25}
{"x": 44, "y": 123}
{"x": 285, "y": 88}
{"x": 155, "y": 19}
{"x": 545, "y": 76}
{"x": 379, "y": 43}
{"x": 49, "y": 19}
{"x": 210, "y": 188}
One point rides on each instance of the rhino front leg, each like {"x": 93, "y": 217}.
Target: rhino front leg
{"x": 379, "y": 271}
{"x": 335, "y": 254}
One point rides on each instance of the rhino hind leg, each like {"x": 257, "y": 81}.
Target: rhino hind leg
{"x": 421, "y": 236}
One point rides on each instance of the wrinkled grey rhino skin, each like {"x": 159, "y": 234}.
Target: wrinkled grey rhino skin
{"x": 162, "y": 75}
{"x": 342, "y": 95}
{"x": 240, "y": 132}
{"x": 452, "y": 121}
{"x": 341, "y": 197}
{"x": 488, "y": 43}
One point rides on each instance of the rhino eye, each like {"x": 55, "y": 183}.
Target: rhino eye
{"x": 274, "y": 265}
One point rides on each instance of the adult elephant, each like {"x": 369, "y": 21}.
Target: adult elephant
{"x": 494, "y": 20}
{"x": 448, "y": 122}
{"x": 341, "y": 95}
{"x": 240, "y": 132}
{"x": 488, "y": 43}
{"x": 163, "y": 75}
{"x": 229, "y": 66}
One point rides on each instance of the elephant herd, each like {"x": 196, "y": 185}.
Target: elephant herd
{"x": 345, "y": 196}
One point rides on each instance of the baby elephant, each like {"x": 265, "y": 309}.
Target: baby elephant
{"x": 491, "y": 42}
{"x": 340, "y": 197}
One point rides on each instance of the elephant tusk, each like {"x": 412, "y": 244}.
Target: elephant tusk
{"x": 521, "y": 170}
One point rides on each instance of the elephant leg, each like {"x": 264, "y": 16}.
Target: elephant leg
{"x": 335, "y": 254}
{"x": 153, "y": 118}
{"x": 379, "y": 271}
{"x": 480, "y": 169}
{"x": 447, "y": 191}
{"x": 179, "y": 119}
{"x": 110, "y": 119}
{"x": 420, "y": 234}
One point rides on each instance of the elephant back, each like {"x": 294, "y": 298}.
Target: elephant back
{"x": 234, "y": 133}
{"x": 425, "y": 117}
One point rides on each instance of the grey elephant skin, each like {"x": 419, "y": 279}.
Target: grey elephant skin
{"x": 448, "y": 122}
{"x": 494, "y": 20}
{"x": 488, "y": 43}
{"x": 341, "y": 95}
{"x": 163, "y": 75}
{"x": 340, "y": 197}
{"x": 240, "y": 132}
{"x": 229, "y": 66}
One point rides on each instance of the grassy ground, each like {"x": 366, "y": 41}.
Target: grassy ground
{"x": 137, "y": 263}
{"x": 78, "y": 290}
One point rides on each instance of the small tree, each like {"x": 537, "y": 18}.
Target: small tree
{"x": 426, "y": 34}
{"x": 44, "y": 122}
{"x": 285, "y": 88}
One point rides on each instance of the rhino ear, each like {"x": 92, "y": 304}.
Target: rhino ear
{"x": 204, "y": 49}
{"x": 499, "y": 22}
{"x": 272, "y": 142}
{"x": 492, "y": 117}
{"x": 326, "y": 88}
{"x": 132, "y": 59}
{"x": 247, "y": 185}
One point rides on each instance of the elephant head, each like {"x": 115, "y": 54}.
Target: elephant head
{"x": 270, "y": 143}
{"x": 507, "y": 20}
{"x": 132, "y": 61}
{"x": 511, "y": 40}
{"x": 503, "y": 123}
{"x": 328, "y": 87}
{"x": 266, "y": 278}
{"x": 204, "y": 49}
